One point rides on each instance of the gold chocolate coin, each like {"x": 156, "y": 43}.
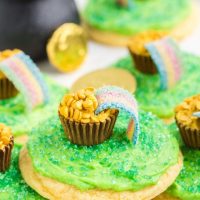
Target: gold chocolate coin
{"x": 67, "y": 48}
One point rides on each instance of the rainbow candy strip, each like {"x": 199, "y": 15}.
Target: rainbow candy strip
{"x": 112, "y": 97}
{"x": 167, "y": 58}
{"x": 26, "y": 77}
{"x": 196, "y": 114}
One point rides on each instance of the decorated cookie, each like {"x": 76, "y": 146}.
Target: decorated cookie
{"x": 161, "y": 95}
{"x": 36, "y": 94}
{"x": 187, "y": 184}
{"x": 115, "y": 22}
{"x": 108, "y": 76}
{"x": 188, "y": 121}
{"x": 115, "y": 169}
{"x": 6, "y": 145}
{"x": 12, "y": 185}
{"x": 158, "y": 55}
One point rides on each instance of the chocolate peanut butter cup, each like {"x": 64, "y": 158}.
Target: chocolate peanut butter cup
{"x": 191, "y": 137}
{"x": 188, "y": 121}
{"x": 5, "y": 156}
{"x": 143, "y": 63}
{"x": 6, "y": 145}
{"x": 88, "y": 133}
{"x": 7, "y": 89}
{"x": 81, "y": 125}
{"x": 140, "y": 55}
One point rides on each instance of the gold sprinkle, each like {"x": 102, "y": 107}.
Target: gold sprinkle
{"x": 81, "y": 107}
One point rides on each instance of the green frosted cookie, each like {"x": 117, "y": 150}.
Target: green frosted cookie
{"x": 114, "y": 165}
{"x": 162, "y": 103}
{"x": 13, "y": 111}
{"x": 187, "y": 184}
{"x": 106, "y": 15}
{"x": 12, "y": 186}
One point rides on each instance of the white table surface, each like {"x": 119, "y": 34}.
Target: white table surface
{"x": 101, "y": 56}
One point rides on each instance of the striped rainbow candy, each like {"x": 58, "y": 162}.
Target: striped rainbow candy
{"x": 167, "y": 58}
{"x": 112, "y": 97}
{"x": 26, "y": 77}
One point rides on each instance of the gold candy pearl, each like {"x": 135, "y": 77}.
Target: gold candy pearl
{"x": 76, "y": 114}
{"x": 5, "y": 140}
{"x": 79, "y": 105}
{"x": 67, "y": 48}
{"x": 80, "y": 116}
{"x": 81, "y": 94}
{"x": 85, "y": 120}
{"x": 86, "y": 115}
{"x": 73, "y": 104}
{"x": 94, "y": 101}
{"x": 5, "y": 130}
{"x": 198, "y": 105}
{"x": 63, "y": 102}
{"x": 71, "y": 112}
{"x": 69, "y": 101}
{"x": 88, "y": 93}
{"x": 76, "y": 97}
{"x": 6, "y": 134}
{"x": 94, "y": 118}
{"x": 87, "y": 103}
{"x": 64, "y": 111}
{"x": 1, "y": 145}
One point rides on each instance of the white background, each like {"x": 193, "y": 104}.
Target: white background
{"x": 100, "y": 56}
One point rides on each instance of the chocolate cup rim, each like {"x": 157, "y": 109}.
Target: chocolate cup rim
{"x": 117, "y": 112}
{"x": 185, "y": 126}
{"x": 137, "y": 53}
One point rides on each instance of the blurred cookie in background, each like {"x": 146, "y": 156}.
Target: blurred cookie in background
{"x": 109, "y": 76}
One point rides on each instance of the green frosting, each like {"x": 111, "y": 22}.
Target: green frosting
{"x": 116, "y": 164}
{"x": 12, "y": 185}
{"x": 107, "y": 16}
{"x": 162, "y": 103}
{"x": 13, "y": 111}
{"x": 187, "y": 185}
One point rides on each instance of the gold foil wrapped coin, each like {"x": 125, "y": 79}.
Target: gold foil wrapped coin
{"x": 67, "y": 48}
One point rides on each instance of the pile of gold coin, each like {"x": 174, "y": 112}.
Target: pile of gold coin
{"x": 81, "y": 107}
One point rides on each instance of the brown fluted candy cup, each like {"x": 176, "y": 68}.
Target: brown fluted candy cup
{"x": 7, "y": 89}
{"x": 5, "y": 156}
{"x": 88, "y": 134}
{"x": 143, "y": 63}
{"x": 191, "y": 137}
{"x": 141, "y": 57}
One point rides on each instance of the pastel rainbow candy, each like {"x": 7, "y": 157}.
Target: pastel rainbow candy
{"x": 167, "y": 58}
{"x": 26, "y": 77}
{"x": 112, "y": 97}
{"x": 196, "y": 114}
